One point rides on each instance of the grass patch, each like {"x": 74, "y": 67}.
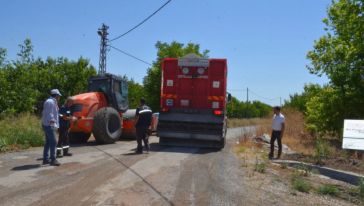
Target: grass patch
{"x": 302, "y": 170}
{"x": 241, "y": 149}
{"x": 300, "y": 184}
{"x": 361, "y": 188}
{"x": 20, "y": 132}
{"x": 260, "y": 166}
{"x": 331, "y": 190}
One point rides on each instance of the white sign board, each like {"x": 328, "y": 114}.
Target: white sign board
{"x": 192, "y": 60}
{"x": 353, "y": 134}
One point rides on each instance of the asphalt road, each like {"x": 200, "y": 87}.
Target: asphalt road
{"x": 114, "y": 175}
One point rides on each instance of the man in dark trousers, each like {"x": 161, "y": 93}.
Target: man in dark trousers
{"x": 64, "y": 126}
{"x": 278, "y": 125}
{"x": 142, "y": 124}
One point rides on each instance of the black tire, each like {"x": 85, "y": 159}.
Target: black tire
{"x": 107, "y": 126}
{"x": 222, "y": 143}
{"x": 78, "y": 137}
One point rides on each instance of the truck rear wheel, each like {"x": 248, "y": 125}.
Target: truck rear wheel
{"x": 78, "y": 137}
{"x": 107, "y": 126}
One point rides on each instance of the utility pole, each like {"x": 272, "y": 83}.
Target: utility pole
{"x": 247, "y": 103}
{"x": 280, "y": 101}
{"x": 102, "y": 32}
{"x": 247, "y": 95}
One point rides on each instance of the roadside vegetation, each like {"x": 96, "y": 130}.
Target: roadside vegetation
{"x": 315, "y": 117}
{"x": 20, "y": 132}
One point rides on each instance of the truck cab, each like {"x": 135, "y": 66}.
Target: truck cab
{"x": 114, "y": 88}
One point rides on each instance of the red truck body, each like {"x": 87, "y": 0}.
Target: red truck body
{"x": 193, "y": 101}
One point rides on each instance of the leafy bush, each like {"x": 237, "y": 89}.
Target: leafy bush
{"x": 322, "y": 150}
{"x": 331, "y": 190}
{"x": 300, "y": 184}
{"x": 260, "y": 166}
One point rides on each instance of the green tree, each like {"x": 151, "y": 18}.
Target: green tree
{"x": 240, "y": 109}
{"x": 25, "y": 83}
{"x": 3, "y": 54}
{"x": 135, "y": 92}
{"x": 152, "y": 81}
{"x": 299, "y": 101}
{"x": 233, "y": 108}
{"x": 340, "y": 56}
{"x": 324, "y": 112}
{"x": 26, "y": 52}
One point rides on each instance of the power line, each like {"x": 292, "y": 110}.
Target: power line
{"x": 252, "y": 92}
{"x": 142, "y": 22}
{"x": 260, "y": 96}
{"x": 130, "y": 55}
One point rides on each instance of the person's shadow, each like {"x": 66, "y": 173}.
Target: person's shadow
{"x": 25, "y": 167}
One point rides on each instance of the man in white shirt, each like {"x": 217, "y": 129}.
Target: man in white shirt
{"x": 50, "y": 124}
{"x": 278, "y": 126}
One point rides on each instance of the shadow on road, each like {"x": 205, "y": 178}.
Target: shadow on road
{"x": 94, "y": 143}
{"x": 26, "y": 167}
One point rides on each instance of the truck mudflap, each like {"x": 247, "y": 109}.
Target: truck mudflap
{"x": 196, "y": 130}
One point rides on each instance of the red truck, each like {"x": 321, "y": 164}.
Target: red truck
{"x": 193, "y": 102}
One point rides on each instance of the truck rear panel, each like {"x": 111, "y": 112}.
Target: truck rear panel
{"x": 193, "y": 102}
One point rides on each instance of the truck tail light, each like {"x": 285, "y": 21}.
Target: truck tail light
{"x": 217, "y": 112}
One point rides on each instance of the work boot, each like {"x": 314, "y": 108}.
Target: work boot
{"x": 69, "y": 154}
{"x": 55, "y": 163}
{"x": 45, "y": 162}
{"x": 139, "y": 151}
{"x": 59, "y": 153}
{"x": 66, "y": 152}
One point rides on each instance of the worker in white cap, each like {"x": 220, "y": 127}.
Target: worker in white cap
{"x": 50, "y": 124}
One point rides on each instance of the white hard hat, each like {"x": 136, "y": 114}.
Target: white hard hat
{"x": 55, "y": 92}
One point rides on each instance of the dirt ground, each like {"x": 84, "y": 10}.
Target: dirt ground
{"x": 267, "y": 177}
{"x": 114, "y": 175}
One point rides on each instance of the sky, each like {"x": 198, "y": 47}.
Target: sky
{"x": 265, "y": 42}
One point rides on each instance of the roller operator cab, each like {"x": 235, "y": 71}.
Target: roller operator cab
{"x": 100, "y": 110}
{"x": 193, "y": 102}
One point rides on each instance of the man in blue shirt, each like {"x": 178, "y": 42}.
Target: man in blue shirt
{"x": 64, "y": 126}
{"x": 143, "y": 122}
{"x": 50, "y": 124}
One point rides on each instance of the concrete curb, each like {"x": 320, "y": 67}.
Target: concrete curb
{"x": 348, "y": 177}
